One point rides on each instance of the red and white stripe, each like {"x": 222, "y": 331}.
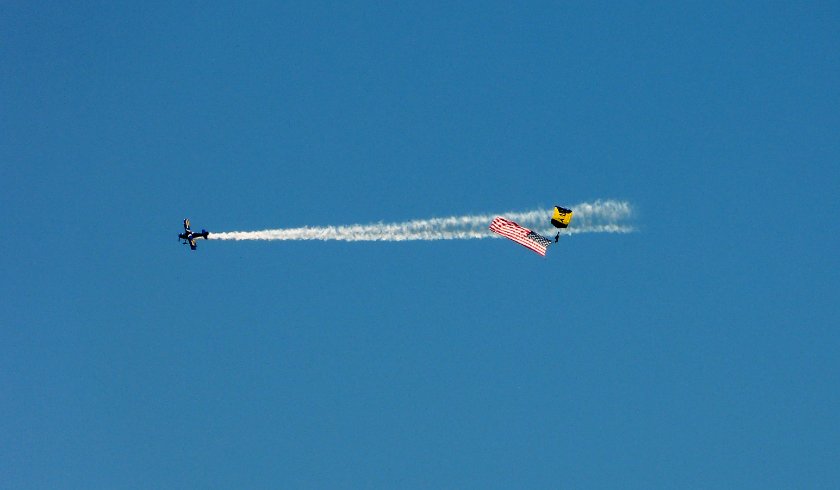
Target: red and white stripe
{"x": 519, "y": 234}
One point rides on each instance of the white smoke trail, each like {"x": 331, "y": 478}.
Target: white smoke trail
{"x": 597, "y": 217}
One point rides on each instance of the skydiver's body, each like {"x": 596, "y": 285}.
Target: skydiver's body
{"x": 557, "y": 237}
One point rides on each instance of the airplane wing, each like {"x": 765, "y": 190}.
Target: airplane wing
{"x": 187, "y": 224}
{"x": 192, "y": 244}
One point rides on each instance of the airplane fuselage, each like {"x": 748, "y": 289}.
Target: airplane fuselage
{"x": 189, "y": 236}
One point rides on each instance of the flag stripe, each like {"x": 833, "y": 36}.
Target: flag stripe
{"x": 520, "y": 235}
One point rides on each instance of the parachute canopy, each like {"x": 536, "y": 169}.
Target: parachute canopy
{"x": 561, "y": 217}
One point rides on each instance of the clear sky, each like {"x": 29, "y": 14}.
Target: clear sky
{"x": 698, "y": 352}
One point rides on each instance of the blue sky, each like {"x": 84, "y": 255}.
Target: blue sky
{"x": 699, "y": 352}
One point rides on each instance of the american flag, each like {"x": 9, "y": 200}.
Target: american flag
{"x": 520, "y": 235}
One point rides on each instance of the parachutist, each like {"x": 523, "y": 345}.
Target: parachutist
{"x": 557, "y": 237}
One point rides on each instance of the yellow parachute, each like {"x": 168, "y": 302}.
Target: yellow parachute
{"x": 561, "y": 217}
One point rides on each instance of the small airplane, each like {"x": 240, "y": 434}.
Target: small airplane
{"x": 189, "y": 236}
